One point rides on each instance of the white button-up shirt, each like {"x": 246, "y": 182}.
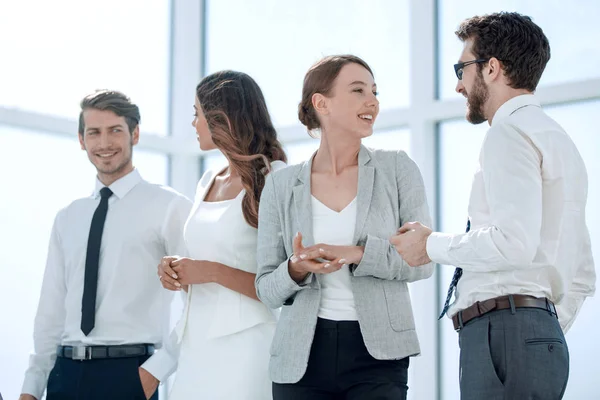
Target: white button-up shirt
{"x": 527, "y": 209}
{"x": 144, "y": 223}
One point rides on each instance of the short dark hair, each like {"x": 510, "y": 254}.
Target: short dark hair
{"x": 110, "y": 100}
{"x": 515, "y": 40}
{"x": 319, "y": 79}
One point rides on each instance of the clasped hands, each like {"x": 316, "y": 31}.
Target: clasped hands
{"x": 321, "y": 258}
{"x": 410, "y": 242}
{"x": 176, "y": 273}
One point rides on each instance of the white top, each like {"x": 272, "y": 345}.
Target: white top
{"x": 527, "y": 208}
{"x": 335, "y": 228}
{"x": 144, "y": 222}
{"x": 215, "y": 231}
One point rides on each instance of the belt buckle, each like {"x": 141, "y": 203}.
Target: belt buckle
{"x": 81, "y": 353}
{"x": 460, "y": 321}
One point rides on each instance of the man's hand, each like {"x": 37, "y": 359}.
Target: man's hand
{"x": 26, "y": 397}
{"x": 411, "y": 243}
{"x": 149, "y": 382}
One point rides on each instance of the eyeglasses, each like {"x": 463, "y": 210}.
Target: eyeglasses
{"x": 458, "y": 68}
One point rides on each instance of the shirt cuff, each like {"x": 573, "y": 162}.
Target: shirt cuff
{"x": 161, "y": 365}
{"x": 567, "y": 311}
{"x": 438, "y": 248}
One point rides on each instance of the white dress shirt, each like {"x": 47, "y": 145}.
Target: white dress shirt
{"x": 335, "y": 228}
{"x": 527, "y": 209}
{"x": 144, "y": 223}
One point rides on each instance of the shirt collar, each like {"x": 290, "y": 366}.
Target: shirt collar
{"x": 121, "y": 186}
{"x": 513, "y": 105}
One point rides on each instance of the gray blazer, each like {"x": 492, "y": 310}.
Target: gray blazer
{"x": 390, "y": 193}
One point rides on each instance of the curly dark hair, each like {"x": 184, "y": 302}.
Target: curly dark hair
{"x": 515, "y": 40}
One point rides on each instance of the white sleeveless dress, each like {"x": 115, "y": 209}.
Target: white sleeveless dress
{"x": 224, "y": 336}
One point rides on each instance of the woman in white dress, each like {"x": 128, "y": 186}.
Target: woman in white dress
{"x": 224, "y": 335}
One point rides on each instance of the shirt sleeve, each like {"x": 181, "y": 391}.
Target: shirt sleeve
{"x": 164, "y": 362}
{"x": 511, "y": 169}
{"x": 582, "y": 286}
{"x": 172, "y": 231}
{"x": 50, "y": 318}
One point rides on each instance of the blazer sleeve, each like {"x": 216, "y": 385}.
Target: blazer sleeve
{"x": 274, "y": 286}
{"x": 380, "y": 258}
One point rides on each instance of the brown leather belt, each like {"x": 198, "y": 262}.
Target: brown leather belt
{"x": 501, "y": 303}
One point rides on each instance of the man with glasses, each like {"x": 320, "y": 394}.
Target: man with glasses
{"x": 526, "y": 256}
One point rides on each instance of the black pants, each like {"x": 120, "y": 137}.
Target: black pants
{"x": 341, "y": 368}
{"x": 102, "y": 379}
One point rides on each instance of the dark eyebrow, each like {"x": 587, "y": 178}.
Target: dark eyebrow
{"x": 195, "y": 108}
{"x": 116, "y": 126}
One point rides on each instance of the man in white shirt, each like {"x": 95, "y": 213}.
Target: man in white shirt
{"x": 527, "y": 245}
{"x": 102, "y": 309}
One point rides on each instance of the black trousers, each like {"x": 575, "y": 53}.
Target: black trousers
{"x": 102, "y": 379}
{"x": 341, "y": 368}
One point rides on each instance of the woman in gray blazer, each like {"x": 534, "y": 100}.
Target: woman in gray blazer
{"x": 346, "y": 328}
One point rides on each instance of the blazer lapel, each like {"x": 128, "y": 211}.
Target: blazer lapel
{"x": 303, "y": 204}
{"x": 366, "y": 180}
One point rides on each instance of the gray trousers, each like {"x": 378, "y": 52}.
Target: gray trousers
{"x": 516, "y": 354}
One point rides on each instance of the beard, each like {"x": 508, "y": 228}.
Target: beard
{"x": 476, "y": 100}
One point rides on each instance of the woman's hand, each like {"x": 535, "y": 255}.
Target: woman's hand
{"x": 341, "y": 254}
{"x": 176, "y": 273}
{"x": 320, "y": 258}
{"x": 168, "y": 277}
{"x": 191, "y": 271}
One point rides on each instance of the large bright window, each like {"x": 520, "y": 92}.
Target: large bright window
{"x": 276, "y": 42}
{"x": 56, "y": 52}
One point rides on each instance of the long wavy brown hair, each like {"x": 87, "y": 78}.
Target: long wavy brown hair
{"x": 241, "y": 127}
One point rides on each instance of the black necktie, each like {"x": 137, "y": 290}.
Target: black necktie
{"x": 92, "y": 259}
{"x": 455, "y": 278}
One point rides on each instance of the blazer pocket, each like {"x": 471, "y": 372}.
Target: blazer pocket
{"x": 398, "y": 305}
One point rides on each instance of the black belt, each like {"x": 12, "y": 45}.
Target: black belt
{"x": 96, "y": 352}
